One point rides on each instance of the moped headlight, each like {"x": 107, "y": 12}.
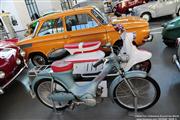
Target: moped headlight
{"x": 2, "y": 75}
{"x": 22, "y": 53}
{"x": 18, "y": 61}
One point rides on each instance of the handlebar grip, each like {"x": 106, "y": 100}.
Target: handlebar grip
{"x": 98, "y": 63}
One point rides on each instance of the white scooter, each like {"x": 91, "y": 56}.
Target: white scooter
{"x": 85, "y": 54}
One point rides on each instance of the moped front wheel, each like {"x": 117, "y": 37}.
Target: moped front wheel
{"x": 146, "y": 89}
{"x": 43, "y": 90}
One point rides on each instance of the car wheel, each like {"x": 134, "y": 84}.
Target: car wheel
{"x": 170, "y": 44}
{"x": 146, "y": 16}
{"x": 39, "y": 59}
{"x": 178, "y": 13}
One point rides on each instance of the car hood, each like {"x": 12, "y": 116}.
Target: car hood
{"x": 6, "y": 55}
{"x": 7, "y": 44}
{"x": 24, "y": 40}
{"x": 171, "y": 23}
{"x": 131, "y": 22}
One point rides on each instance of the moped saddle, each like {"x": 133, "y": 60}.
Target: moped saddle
{"x": 82, "y": 47}
{"x": 61, "y": 66}
{"x": 85, "y": 57}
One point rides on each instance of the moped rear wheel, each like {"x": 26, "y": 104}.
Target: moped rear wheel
{"x": 43, "y": 90}
{"x": 147, "y": 90}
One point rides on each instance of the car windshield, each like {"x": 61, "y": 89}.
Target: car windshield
{"x": 99, "y": 16}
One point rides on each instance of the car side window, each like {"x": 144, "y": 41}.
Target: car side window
{"x": 80, "y": 21}
{"x": 51, "y": 27}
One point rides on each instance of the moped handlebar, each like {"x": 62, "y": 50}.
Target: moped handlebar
{"x": 98, "y": 63}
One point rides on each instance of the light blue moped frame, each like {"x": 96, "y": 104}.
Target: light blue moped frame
{"x": 87, "y": 91}
{"x": 70, "y": 85}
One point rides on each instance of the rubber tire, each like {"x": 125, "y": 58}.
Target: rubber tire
{"x": 118, "y": 45}
{"x": 35, "y": 90}
{"x": 168, "y": 44}
{"x": 148, "y": 15}
{"x": 149, "y": 66}
{"x": 158, "y": 91}
{"x": 178, "y": 13}
{"x": 45, "y": 58}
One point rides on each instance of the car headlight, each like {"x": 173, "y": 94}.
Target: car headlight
{"x": 2, "y": 75}
{"x": 22, "y": 53}
{"x": 18, "y": 61}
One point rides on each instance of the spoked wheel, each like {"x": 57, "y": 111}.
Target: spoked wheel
{"x": 143, "y": 66}
{"x": 43, "y": 90}
{"x": 147, "y": 90}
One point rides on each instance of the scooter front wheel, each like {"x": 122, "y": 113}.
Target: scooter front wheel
{"x": 146, "y": 89}
{"x": 43, "y": 90}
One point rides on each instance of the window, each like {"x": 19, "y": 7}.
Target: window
{"x": 32, "y": 9}
{"x": 51, "y": 27}
{"x": 78, "y": 22}
{"x": 99, "y": 16}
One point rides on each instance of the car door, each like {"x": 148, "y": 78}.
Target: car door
{"x": 165, "y": 7}
{"x": 51, "y": 36}
{"x": 84, "y": 28}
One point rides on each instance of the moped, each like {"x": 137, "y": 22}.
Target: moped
{"x": 83, "y": 55}
{"x": 55, "y": 87}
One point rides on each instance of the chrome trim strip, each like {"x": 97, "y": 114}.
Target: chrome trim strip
{"x": 13, "y": 78}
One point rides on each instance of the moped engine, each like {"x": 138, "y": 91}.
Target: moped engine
{"x": 89, "y": 100}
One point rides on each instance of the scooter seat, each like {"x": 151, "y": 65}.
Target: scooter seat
{"x": 82, "y": 47}
{"x": 61, "y": 66}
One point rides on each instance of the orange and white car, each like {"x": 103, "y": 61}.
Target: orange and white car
{"x": 86, "y": 24}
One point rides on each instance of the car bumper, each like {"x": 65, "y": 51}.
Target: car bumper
{"x": 19, "y": 70}
{"x": 176, "y": 60}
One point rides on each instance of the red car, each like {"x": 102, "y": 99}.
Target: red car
{"x": 123, "y": 6}
{"x": 11, "y": 62}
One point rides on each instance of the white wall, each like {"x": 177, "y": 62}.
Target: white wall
{"x": 12, "y": 7}
{"x": 45, "y": 6}
{"x": 22, "y": 12}
{"x": 18, "y": 9}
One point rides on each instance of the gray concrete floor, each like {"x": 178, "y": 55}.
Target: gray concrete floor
{"x": 16, "y": 104}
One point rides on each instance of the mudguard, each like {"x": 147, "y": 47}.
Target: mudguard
{"x": 118, "y": 79}
{"x": 39, "y": 78}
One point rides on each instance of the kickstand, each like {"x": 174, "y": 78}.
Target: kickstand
{"x": 135, "y": 113}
